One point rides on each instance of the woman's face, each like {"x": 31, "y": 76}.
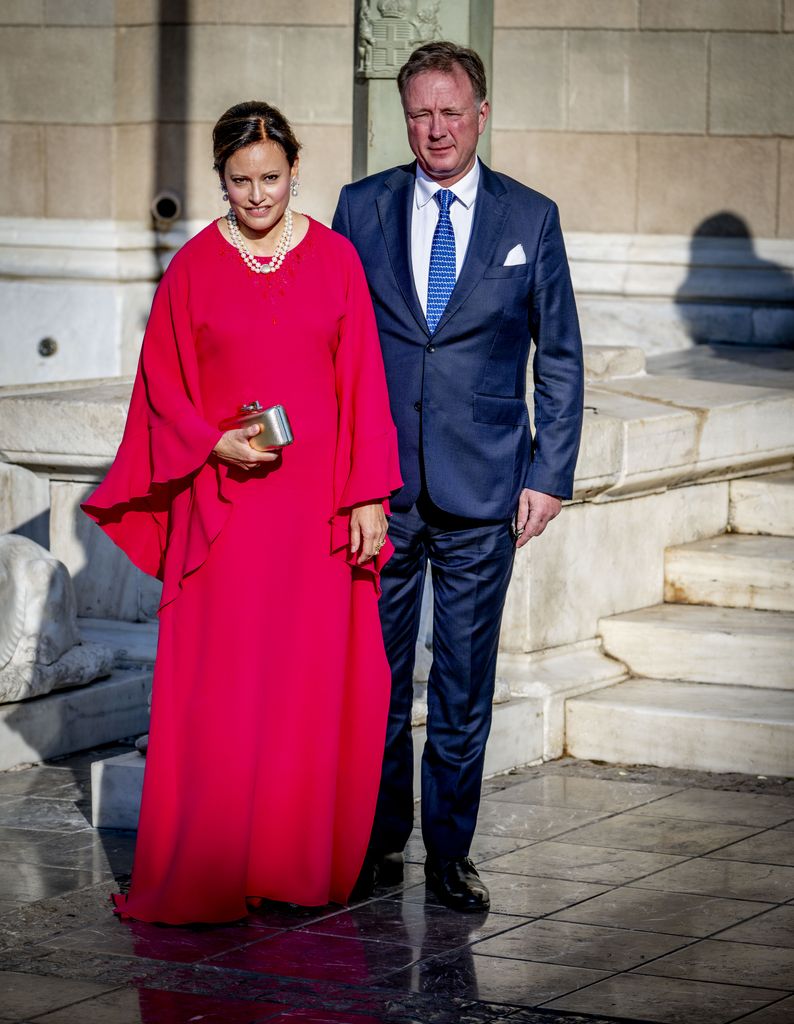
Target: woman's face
{"x": 258, "y": 179}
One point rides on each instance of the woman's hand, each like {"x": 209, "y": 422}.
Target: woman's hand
{"x": 368, "y": 526}
{"x": 234, "y": 447}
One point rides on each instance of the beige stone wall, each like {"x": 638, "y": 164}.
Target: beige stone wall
{"x": 649, "y": 115}
{"x": 93, "y": 122}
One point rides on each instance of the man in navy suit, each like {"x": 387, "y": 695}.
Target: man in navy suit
{"x": 466, "y": 268}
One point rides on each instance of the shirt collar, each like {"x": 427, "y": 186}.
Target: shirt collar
{"x": 465, "y": 190}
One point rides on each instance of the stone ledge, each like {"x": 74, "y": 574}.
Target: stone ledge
{"x": 59, "y": 723}
{"x": 73, "y": 428}
{"x": 133, "y": 644}
{"x": 641, "y": 433}
{"x": 646, "y": 433}
{"x": 607, "y": 362}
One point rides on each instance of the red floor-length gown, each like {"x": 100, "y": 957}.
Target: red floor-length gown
{"x": 271, "y": 685}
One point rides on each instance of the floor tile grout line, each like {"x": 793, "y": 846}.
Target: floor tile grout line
{"x": 766, "y": 1006}
{"x": 57, "y": 867}
{"x": 708, "y": 895}
{"x": 287, "y": 931}
{"x": 631, "y": 1020}
{"x": 712, "y": 981}
{"x": 613, "y": 888}
{"x": 610, "y": 816}
{"x": 686, "y": 942}
{"x": 753, "y": 917}
{"x": 76, "y": 1002}
{"x": 686, "y": 856}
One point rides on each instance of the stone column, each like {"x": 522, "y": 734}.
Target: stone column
{"x": 386, "y": 33}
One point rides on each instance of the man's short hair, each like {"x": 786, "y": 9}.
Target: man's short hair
{"x": 444, "y": 56}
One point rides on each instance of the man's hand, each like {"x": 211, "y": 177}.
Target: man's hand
{"x": 535, "y": 511}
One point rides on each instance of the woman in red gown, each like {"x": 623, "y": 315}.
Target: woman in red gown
{"x": 271, "y": 686}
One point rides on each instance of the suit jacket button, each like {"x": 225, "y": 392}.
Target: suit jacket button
{"x": 418, "y": 406}
{"x": 430, "y": 347}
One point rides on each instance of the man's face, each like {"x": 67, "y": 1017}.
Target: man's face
{"x": 444, "y": 123}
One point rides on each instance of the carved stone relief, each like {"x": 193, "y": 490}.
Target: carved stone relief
{"x": 389, "y": 30}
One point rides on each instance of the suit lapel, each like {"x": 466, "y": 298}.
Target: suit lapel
{"x": 490, "y": 213}
{"x": 394, "y": 211}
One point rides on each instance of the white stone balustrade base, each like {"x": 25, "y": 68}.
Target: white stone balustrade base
{"x": 657, "y": 460}
{"x": 516, "y": 739}
{"x": 33, "y": 730}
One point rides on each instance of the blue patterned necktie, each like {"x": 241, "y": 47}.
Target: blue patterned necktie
{"x": 441, "y": 276}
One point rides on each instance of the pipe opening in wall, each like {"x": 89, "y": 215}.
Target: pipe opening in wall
{"x": 166, "y": 208}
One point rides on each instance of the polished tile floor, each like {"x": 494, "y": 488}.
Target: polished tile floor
{"x": 618, "y": 894}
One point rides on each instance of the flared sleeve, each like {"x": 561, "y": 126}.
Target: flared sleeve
{"x": 163, "y": 461}
{"x": 367, "y": 467}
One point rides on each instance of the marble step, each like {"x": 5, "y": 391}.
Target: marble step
{"x": 734, "y": 570}
{"x": 731, "y": 646}
{"x": 763, "y": 504}
{"x": 685, "y": 725}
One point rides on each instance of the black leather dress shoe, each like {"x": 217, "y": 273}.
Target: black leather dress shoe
{"x": 384, "y": 870}
{"x": 391, "y": 869}
{"x": 457, "y": 884}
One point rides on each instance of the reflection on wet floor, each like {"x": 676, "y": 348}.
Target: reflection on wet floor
{"x": 617, "y": 894}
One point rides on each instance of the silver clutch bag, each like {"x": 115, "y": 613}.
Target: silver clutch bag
{"x": 276, "y": 431}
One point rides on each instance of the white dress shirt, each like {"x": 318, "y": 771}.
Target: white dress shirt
{"x": 424, "y": 217}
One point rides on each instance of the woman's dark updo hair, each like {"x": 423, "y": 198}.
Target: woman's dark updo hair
{"x": 247, "y": 123}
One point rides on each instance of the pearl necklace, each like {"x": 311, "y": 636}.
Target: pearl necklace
{"x": 248, "y": 257}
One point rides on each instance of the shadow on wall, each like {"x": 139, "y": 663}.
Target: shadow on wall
{"x": 731, "y": 294}
{"x": 173, "y": 95}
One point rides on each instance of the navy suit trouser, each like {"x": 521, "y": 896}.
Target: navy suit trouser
{"x": 471, "y": 562}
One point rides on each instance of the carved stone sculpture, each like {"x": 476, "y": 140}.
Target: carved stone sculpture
{"x": 40, "y": 648}
{"x": 388, "y": 34}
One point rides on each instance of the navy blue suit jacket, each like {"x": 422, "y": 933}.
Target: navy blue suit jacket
{"x": 458, "y": 398}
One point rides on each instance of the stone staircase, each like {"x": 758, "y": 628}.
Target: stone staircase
{"x": 712, "y": 668}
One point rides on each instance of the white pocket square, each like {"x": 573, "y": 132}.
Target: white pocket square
{"x": 516, "y": 256}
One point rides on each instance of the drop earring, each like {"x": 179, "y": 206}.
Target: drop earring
{"x": 224, "y": 193}
{"x": 294, "y": 186}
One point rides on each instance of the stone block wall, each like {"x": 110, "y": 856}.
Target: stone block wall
{"x": 105, "y": 102}
{"x": 648, "y": 116}
{"x": 639, "y": 116}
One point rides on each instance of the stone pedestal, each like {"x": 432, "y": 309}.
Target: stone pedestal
{"x": 387, "y": 31}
